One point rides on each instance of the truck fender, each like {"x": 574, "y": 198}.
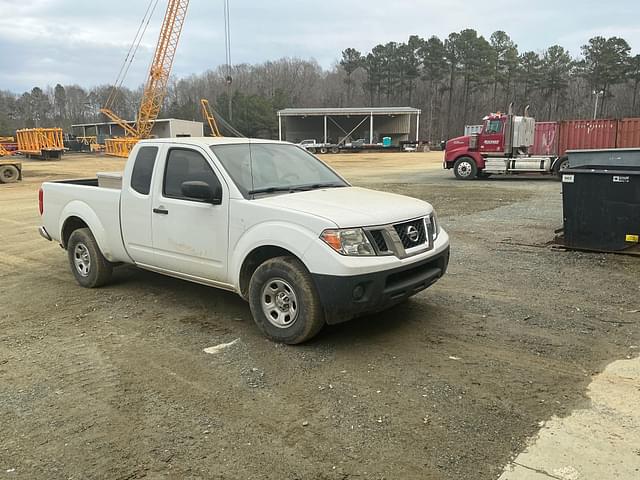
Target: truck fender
{"x": 555, "y": 163}
{"x": 77, "y": 208}
{"x": 298, "y": 240}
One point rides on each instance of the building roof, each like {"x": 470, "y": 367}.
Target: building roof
{"x": 304, "y": 112}
{"x": 159, "y": 120}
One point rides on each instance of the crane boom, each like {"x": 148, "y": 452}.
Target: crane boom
{"x": 207, "y": 115}
{"x": 155, "y": 89}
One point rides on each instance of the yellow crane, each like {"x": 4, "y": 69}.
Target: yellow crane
{"x": 207, "y": 114}
{"x": 155, "y": 88}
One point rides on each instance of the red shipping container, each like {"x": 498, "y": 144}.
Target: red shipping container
{"x": 587, "y": 134}
{"x": 545, "y": 139}
{"x": 628, "y": 133}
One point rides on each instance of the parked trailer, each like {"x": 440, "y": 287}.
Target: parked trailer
{"x": 506, "y": 144}
{"x": 44, "y": 143}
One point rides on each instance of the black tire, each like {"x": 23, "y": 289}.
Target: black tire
{"x": 324, "y": 150}
{"x": 285, "y": 280}
{"x": 465, "y": 168}
{"x": 335, "y": 150}
{"x": 87, "y": 263}
{"x": 9, "y": 174}
{"x": 311, "y": 150}
{"x": 561, "y": 164}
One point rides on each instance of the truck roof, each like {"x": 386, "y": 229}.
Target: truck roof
{"x": 209, "y": 141}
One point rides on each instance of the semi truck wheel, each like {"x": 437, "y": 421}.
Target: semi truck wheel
{"x": 335, "y": 150}
{"x": 9, "y": 174}
{"x": 87, "y": 263}
{"x": 324, "y": 150}
{"x": 561, "y": 164}
{"x": 284, "y": 301}
{"x": 311, "y": 150}
{"x": 465, "y": 168}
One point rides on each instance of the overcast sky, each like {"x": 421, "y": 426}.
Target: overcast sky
{"x": 44, "y": 42}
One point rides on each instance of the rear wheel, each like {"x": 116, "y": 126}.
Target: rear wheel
{"x": 284, "y": 301}
{"x": 561, "y": 164}
{"x": 465, "y": 168}
{"x": 324, "y": 150}
{"x": 335, "y": 150}
{"x": 311, "y": 150}
{"x": 87, "y": 263}
{"x": 9, "y": 174}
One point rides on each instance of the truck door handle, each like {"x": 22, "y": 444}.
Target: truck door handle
{"x": 161, "y": 211}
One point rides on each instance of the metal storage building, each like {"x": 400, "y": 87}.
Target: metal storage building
{"x": 338, "y": 125}
{"x": 162, "y": 128}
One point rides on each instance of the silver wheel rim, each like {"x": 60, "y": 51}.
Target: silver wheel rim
{"x": 82, "y": 259}
{"x": 564, "y": 165}
{"x": 279, "y": 303}
{"x": 464, "y": 169}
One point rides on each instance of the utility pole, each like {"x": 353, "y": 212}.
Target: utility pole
{"x": 595, "y": 108}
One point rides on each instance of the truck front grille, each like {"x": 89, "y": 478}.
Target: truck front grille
{"x": 412, "y": 234}
{"x": 378, "y": 239}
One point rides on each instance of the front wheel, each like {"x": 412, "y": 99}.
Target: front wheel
{"x": 284, "y": 301}
{"x": 87, "y": 263}
{"x": 465, "y": 168}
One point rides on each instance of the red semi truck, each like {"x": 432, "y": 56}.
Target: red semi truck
{"x": 510, "y": 144}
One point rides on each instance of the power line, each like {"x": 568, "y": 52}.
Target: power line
{"x": 133, "y": 49}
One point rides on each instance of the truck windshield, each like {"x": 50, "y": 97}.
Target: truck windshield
{"x": 268, "y": 168}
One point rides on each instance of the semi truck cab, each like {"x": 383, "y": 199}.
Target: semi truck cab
{"x": 501, "y": 147}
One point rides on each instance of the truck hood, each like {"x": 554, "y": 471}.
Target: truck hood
{"x": 352, "y": 206}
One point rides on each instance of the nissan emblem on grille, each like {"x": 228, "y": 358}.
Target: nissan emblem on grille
{"x": 412, "y": 233}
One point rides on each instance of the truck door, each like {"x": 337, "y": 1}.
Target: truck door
{"x": 190, "y": 237}
{"x": 136, "y": 204}
{"x": 492, "y": 137}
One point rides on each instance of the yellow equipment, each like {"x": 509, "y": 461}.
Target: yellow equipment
{"x": 120, "y": 147}
{"x": 207, "y": 115}
{"x": 91, "y": 142}
{"x": 155, "y": 89}
{"x": 7, "y": 140}
{"x": 4, "y": 152}
{"x": 40, "y": 142}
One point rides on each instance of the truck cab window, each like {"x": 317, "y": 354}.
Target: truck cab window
{"x": 185, "y": 166}
{"x": 493, "y": 126}
{"x": 143, "y": 169}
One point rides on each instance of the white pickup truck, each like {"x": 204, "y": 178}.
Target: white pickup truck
{"x": 265, "y": 219}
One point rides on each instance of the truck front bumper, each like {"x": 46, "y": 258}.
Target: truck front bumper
{"x": 346, "y": 297}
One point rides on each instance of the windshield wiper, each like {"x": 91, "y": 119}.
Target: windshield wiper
{"x": 270, "y": 190}
{"x": 294, "y": 188}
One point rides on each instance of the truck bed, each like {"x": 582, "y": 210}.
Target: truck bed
{"x": 98, "y": 207}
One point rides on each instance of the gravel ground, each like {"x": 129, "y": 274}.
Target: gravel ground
{"x": 114, "y": 382}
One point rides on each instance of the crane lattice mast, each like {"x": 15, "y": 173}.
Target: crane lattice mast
{"x": 155, "y": 89}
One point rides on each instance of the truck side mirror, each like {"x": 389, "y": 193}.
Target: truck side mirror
{"x": 199, "y": 190}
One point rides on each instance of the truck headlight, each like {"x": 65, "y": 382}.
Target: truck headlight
{"x": 348, "y": 241}
{"x": 435, "y": 225}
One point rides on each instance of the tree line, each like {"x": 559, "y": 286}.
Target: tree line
{"x": 454, "y": 81}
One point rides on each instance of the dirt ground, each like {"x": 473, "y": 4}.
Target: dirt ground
{"x": 113, "y": 383}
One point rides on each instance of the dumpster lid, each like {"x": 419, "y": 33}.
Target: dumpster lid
{"x": 605, "y": 169}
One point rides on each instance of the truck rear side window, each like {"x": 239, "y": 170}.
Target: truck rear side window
{"x": 143, "y": 169}
{"x": 185, "y": 166}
